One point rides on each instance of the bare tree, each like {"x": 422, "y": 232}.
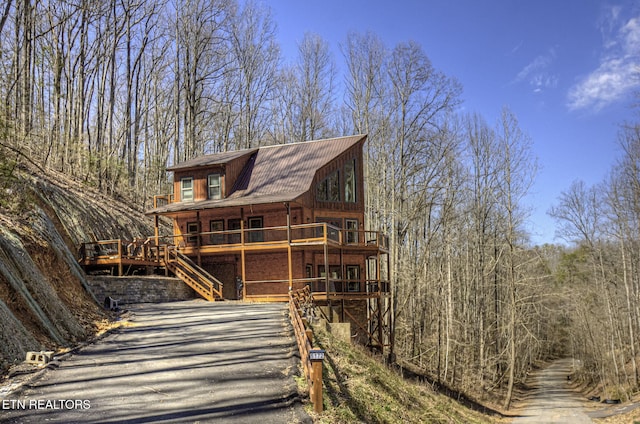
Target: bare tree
{"x": 256, "y": 57}
{"x": 201, "y": 56}
{"x": 315, "y": 88}
{"x": 5, "y": 14}
{"x": 517, "y": 172}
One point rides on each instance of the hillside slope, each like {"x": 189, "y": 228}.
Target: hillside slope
{"x": 359, "y": 388}
{"x": 45, "y": 302}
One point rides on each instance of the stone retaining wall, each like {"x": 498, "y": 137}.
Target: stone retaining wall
{"x": 140, "y": 289}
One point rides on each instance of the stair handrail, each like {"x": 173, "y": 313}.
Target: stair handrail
{"x": 203, "y": 276}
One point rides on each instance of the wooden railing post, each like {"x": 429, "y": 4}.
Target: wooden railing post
{"x": 316, "y": 356}
{"x": 120, "y": 267}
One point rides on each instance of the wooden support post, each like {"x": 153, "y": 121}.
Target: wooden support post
{"x": 289, "y": 253}
{"x": 326, "y": 274}
{"x": 380, "y": 324}
{"x": 198, "y": 241}
{"x": 343, "y": 282}
{"x": 242, "y": 256}
{"x": 290, "y": 265}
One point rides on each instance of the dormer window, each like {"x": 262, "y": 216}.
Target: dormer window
{"x": 186, "y": 189}
{"x": 213, "y": 184}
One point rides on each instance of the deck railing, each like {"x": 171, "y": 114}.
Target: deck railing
{"x": 338, "y": 288}
{"x": 297, "y": 235}
{"x": 162, "y": 200}
{"x": 151, "y": 252}
{"x": 145, "y": 252}
{"x": 137, "y": 249}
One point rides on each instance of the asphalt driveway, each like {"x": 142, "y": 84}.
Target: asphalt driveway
{"x": 181, "y": 362}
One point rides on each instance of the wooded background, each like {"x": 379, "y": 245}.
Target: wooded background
{"x": 111, "y": 92}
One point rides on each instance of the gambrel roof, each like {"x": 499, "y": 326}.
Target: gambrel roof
{"x": 278, "y": 173}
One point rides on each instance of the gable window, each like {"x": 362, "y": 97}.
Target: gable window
{"x": 350, "y": 181}
{"x": 213, "y": 184}
{"x": 328, "y": 190}
{"x": 186, "y": 189}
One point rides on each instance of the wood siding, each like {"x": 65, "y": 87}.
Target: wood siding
{"x": 229, "y": 173}
{"x": 321, "y": 207}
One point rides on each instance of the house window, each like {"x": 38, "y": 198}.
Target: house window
{"x": 186, "y": 189}
{"x": 254, "y": 235}
{"x": 216, "y": 226}
{"x": 353, "y": 278}
{"x": 192, "y": 229}
{"x": 334, "y": 271}
{"x": 234, "y": 224}
{"x": 335, "y": 285}
{"x": 351, "y": 234}
{"x": 328, "y": 190}
{"x": 213, "y": 184}
{"x": 350, "y": 181}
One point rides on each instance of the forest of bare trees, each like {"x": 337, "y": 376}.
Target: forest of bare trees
{"x": 111, "y": 92}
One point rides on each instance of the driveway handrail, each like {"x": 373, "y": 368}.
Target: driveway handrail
{"x": 300, "y": 306}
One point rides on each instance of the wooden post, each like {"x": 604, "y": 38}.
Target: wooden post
{"x": 289, "y": 253}
{"x": 157, "y": 230}
{"x": 326, "y": 273}
{"x": 120, "y": 266}
{"x": 290, "y": 265}
{"x": 242, "y": 256}
{"x": 316, "y": 356}
{"x": 198, "y": 241}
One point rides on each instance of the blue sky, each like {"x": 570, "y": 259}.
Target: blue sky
{"x": 568, "y": 70}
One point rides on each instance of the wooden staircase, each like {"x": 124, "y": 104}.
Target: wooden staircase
{"x": 205, "y": 284}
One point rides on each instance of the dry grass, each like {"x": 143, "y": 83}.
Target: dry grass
{"x": 105, "y": 325}
{"x": 359, "y": 388}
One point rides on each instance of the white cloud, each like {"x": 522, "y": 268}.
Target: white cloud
{"x": 631, "y": 36}
{"x": 613, "y": 80}
{"x": 618, "y": 73}
{"x": 537, "y": 74}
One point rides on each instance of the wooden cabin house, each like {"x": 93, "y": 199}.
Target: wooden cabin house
{"x": 271, "y": 219}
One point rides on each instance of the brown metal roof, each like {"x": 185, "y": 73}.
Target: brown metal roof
{"x": 278, "y": 173}
{"x": 213, "y": 159}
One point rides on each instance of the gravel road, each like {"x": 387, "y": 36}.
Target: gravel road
{"x": 180, "y": 362}
{"x": 552, "y": 400}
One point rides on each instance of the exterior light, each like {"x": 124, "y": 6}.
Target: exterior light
{"x": 316, "y": 354}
